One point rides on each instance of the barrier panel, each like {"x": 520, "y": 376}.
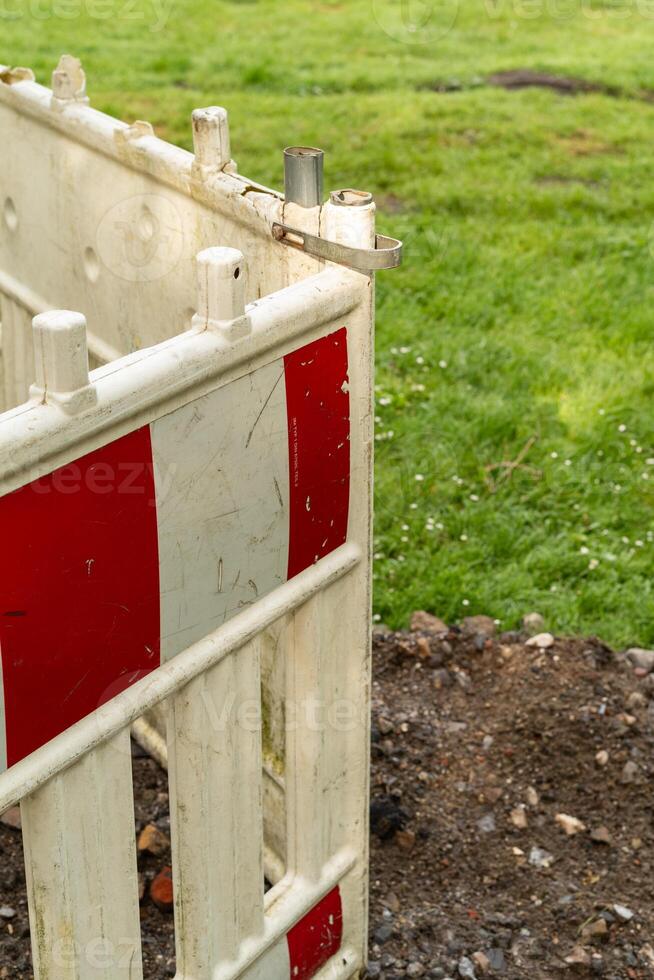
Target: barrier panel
{"x": 185, "y": 527}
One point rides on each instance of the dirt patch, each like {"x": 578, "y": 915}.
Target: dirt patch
{"x": 519, "y": 78}
{"x": 583, "y": 143}
{"x": 479, "y": 742}
{"x": 560, "y": 180}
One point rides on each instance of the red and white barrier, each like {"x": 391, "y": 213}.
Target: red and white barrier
{"x": 126, "y": 556}
{"x": 195, "y": 507}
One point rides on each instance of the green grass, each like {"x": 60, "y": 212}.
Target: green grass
{"x": 522, "y": 320}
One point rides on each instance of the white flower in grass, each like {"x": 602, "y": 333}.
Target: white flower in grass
{"x": 584, "y": 550}
{"x": 439, "y": 525}
{"x": 442, "y": 364}
{"x": 638, "y": 543}
{"x": 593, "y": 564}
{"x": 568, "y": 462}
{"x": 418, "y": 477}
{"x": 622, "y": 427}
{"x": 650, "y": 461}
{"x": 554, "y": 455}
{"x": 385, "y": 400}
{"x": 405, "y": 350}
{"x": 465, "y": 602}
{"x": 420, "y": 360}
{"x": 376, "y": 618}
{"x": 413, "y": 506}
{"x": 600, "y": 411}
{"x": 464, "y": 537}
{"x": 404, "y": 539}
{"x": 473, "y": 496}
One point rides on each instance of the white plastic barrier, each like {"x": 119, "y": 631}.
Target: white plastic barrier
{"x": 190, "y": 515}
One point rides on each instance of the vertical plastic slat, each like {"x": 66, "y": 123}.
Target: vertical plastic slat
{"x": 306, "y": 678}
{"x": 214, "y": 753}
{"x": 81, "y": 870}
{"x": 17, "y": 351}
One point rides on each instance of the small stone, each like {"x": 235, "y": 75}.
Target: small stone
{"x": 385, "y": 725}
{"x": 383, "y": 933}
{"x": 636, "y": 700}
{"x": 623, "y": 913}
{"x": 629, "y": 772}
{"x": 602, "y": 757}
{"x": 481, "y": 961}
{"x": 532, "y": 796}
{"x": 11, "y": 818}
{"x": 466, "y": 968}
{"x": 386, "y": 817}
{"x": 486, "y": 824}
{"x": 596, "y": 929}
{"x": 533, "y": 623}
{"x": 415, "y": 970}
{"x": 578, "y": 957}
{"x": 646, "y": 954}
{"x": 636, "y": 843}
{"x": 641, "y": 658}
{"x": 541, "y": 640}
{"x": 601, "y": 835}
{"x": 161, "y": 890}
{"x": 497, "y": 960}
{"x": 479, "y": 626}
{"x": 519, "y": 817}
{"x": 6, "y": 912}
{"x": 571, "y": 825}
{"x": 442, "y": 678}
{"x": 405, "y": 839}
{"x": 152, "y": 841}
{"x": 625, "y": 719}
{"x": 540, "y": 858}
{"x": 427, "y": 622}
{"x": 424, "y": 648}
{"x": 392, "y": 902}
{"x": 373, "y": 971}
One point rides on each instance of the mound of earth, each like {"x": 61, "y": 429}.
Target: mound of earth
{"x": 512, "y": 809}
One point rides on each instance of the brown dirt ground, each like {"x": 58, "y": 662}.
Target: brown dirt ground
{"x": 467, "y": 728}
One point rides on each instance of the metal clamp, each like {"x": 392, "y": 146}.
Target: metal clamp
{"x": 387, "y": 253}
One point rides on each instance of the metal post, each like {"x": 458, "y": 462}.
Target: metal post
{"x": 303, "y": 169}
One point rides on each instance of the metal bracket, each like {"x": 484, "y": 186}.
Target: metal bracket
{"x": 387, "y": 253}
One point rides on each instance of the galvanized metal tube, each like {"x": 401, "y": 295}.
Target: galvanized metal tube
{"x": 303, "y": 170}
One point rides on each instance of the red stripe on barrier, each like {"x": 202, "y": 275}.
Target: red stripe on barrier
{"x": 79, "y": 590}
{"x": 316, "y": 937}
{"x": 318, "y": 409}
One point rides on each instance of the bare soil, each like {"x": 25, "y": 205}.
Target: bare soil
{"x": 472, "y": 734}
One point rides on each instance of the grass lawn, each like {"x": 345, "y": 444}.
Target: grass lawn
{"x": 519, "y": 330}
